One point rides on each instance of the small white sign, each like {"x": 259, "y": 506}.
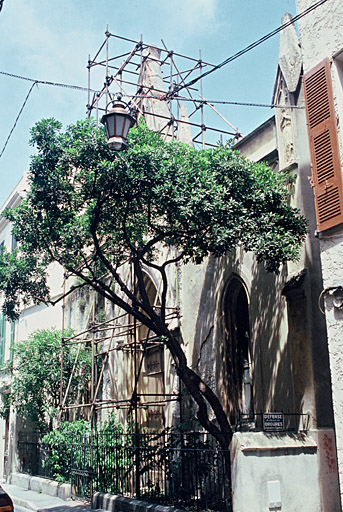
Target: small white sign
{"x": 273, "y": 422}
{"x": 274, "y": 495}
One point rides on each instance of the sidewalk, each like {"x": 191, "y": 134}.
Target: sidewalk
{"x": 39, "y": 502}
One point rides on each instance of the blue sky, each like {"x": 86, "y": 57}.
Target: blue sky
{"x": 49, "y": 40}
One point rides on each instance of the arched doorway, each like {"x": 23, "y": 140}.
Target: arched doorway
{"x": 237, "y": 352}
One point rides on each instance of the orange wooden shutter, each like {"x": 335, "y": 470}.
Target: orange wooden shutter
{"x": 326, "y": 167}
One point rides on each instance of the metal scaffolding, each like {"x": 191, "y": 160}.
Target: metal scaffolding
{"x": 124, "y": 74}
{"x": 102, "y": 338}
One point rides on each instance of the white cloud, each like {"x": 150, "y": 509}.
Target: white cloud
{"x": 189, "y": 20}
{"x": 194, "y": 15}
{"x": 43, "y": 42}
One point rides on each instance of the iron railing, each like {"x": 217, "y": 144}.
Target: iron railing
{"x": 34, "y": 456}
{"x": 180, "y": 469}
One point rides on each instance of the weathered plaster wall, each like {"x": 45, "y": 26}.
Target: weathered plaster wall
{"x": 287, "y": 463}
{"x": 322, "y": 37}
{"x": 320, "y": 31}
{"x": 202, "y": 327}
{"x": 332, "y": 257}
{"x": 32, "y": 318}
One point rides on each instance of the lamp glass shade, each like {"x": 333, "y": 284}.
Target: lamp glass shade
{"x": 117, "y": 123}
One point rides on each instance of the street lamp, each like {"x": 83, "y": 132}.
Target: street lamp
{"x": 117, "y": 123}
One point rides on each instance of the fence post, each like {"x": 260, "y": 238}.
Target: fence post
{"x": 227, "y": 462}
{"x": 71, "y": 448}
{"x": 137, "y": 462}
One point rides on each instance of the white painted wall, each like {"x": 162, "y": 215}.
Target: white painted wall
{"x": 6, "y": 237}
{"x": 32, "y": 318}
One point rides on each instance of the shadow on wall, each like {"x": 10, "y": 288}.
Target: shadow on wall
{"x": 270, "y": 356}
{"x": 272, "y": 366}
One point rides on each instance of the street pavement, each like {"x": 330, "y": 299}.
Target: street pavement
{"x": 39, "y": 502}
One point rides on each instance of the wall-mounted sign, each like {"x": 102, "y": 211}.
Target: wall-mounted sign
{"x": 273, "y": 421}
{"x": 155, "y": 418}
{"x": 154, "y": 361}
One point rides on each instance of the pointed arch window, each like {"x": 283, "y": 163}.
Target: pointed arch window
{"x": 237, "y": 351}
{"x": 151, "y": 380}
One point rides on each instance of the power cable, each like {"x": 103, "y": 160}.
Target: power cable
{"x": 16, "y": 121}
{"x": 219, "y": 102}
{"x": 44, "y": 82}
{"x": 183, "y": 98}
{"x": 245, "y": 50}
{"x": 179, "y": 87}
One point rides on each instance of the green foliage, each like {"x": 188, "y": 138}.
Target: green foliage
{"x": 72, "y": 442}
{"x": 6, "y": 400}
{"x": 61, "y": 443}
{"x": 168, "y": 459}
{"x": 36, "y": 381}
{"x": 88, "y": 203}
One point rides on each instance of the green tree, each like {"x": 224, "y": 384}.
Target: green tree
{"x": 93, "y": 210}
{"x": 36, "y": 382}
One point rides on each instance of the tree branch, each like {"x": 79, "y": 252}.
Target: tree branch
{"x": 71, "y": 290}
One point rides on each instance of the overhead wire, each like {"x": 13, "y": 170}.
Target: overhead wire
{"x": 219, "y": 102}
{"x": 183, "y": 98}
{"x": 245, "y": 50}
{"x": 18, "y": 116}
{"x": 45, "y": 82}
{"x": 192, "y": 82}
{"x": 178, "y": 88}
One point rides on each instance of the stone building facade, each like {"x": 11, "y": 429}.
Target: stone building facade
{"x": 259, "y": 340}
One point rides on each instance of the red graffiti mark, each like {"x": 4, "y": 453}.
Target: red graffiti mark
{"x": 329, "y": 453}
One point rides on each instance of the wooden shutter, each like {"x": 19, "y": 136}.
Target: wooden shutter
{"x": 326, "y": 167}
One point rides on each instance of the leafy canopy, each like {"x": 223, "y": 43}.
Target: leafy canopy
{"x": 90, "y": 208}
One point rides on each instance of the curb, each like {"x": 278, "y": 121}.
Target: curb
{"x": 25, "y": 504}
{"x": 114, "y": 503}
{"x": 41, "y": 485}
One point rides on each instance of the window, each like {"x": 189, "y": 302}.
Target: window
{"x": 151, "y": 380}
{"x": 237, "y": 351}
{"x": 13, "y": 243}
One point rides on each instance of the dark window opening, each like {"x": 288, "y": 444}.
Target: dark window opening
{"x": 237, "y": 348}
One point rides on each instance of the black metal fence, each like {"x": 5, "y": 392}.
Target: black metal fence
{"x": 34, "y": 456}
{"x": 180, "y": 469}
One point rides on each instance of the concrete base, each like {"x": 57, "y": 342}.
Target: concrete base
{"x": 274, "y": 471}
{"x": 41, "y": 485}
{"x": 114, "y": 503}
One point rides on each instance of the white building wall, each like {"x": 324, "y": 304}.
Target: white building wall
{"x": 5, "y": 375}
{"x": 32, "y": 318}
